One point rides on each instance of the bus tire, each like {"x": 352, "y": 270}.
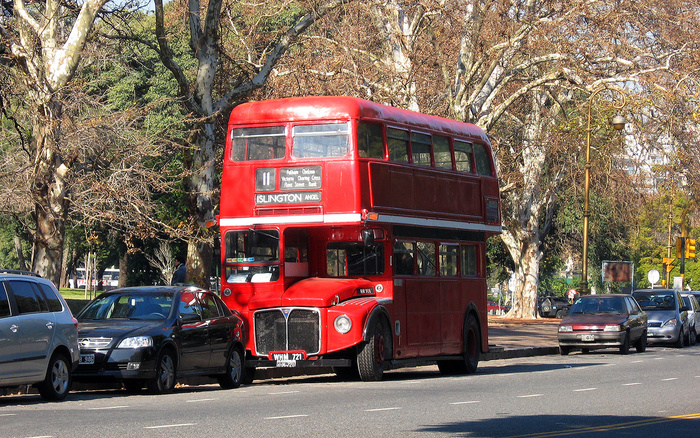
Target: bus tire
{"x": 470, "y": 355}
{"x": 472, "y": 344}
{"x": 373, "y": 354}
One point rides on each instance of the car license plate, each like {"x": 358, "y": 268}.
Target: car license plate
{"x": 287, "y": 360}
{"x": 87, "y": 359}
{"x": 587, "y": 338}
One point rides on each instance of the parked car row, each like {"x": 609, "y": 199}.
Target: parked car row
{"x": 141, "y": 336}
{"x": 648, "y": 316}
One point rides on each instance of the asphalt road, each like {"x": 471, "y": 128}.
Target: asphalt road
{"x": 652, "y": 394}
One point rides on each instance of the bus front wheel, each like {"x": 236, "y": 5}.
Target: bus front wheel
{"x": 373, "y": 354}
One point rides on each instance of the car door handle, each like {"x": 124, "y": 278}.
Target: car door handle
{"x": 14, "y": 328}
{"x": 49, "y": 325}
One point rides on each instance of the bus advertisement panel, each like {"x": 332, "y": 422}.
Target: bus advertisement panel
{"x": 353, "y": 235}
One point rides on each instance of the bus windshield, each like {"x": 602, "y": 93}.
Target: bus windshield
{"x": 252, "y": 256}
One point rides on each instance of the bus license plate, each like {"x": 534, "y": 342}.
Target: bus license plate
{"x": 588, "y": 338}
{"x": 287, "y": 360}
{"x": 87, "y": 359}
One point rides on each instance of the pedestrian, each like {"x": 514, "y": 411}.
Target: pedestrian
{"x": 180, "y": 271}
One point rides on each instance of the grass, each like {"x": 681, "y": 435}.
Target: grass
{"x": 76, "y": 298}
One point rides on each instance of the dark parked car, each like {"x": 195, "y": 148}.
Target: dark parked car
{"x": 553, "y": 306}
{"x": 668, "y": 316}
{"x": 38, "y": 335}
{"x": 155, "y": 335}
{"x": 604, "y": 321}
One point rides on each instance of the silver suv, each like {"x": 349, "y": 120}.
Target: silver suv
{"x": 38, "y": 335}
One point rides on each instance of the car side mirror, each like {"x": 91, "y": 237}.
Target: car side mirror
{"x": 188, "y": 318}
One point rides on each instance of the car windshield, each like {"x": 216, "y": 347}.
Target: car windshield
{"x": 656, "y": 300}
{"x": 128, "y": 306}
{"x": 592, "y": 305}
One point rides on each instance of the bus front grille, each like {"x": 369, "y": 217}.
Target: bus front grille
{"x": 287, "y": 330}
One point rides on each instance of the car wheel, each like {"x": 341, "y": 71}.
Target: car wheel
{"x": 234, "y": 370}
{"x": 560, "y": 314}
{"x": 57, "y": 383}
{"x": 564, "y": 350}
{"x": 373, "y": 354}
{"x": 679, "y": 341}
{"x": 642, "y": 343}
{"x": 692, "y": 337}
{"x": 625, "y": 347}
{"x": 164, "y": 381}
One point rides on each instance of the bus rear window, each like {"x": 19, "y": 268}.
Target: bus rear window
{"x": 250, "y": 144}
{"x": 317, "y": 141}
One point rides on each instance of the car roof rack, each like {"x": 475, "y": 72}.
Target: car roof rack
{"x": 19, "y": 272}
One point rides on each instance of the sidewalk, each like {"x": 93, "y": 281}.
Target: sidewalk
{"x": 509, "y": 338}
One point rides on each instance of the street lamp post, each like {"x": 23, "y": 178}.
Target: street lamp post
{"x": 618, "y": 123}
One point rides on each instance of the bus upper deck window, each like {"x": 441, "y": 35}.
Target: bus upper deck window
{"x": 318, "y": 141}
{"x": 463, "y": 156}
{"x": 483, "y": 160}
{"x": 420, "y": 148}
{"x": 398, "y": 144}
{"x": 249, "y": 144}
{"x": 441, "y": 150}
{"x": 370, "y": 141}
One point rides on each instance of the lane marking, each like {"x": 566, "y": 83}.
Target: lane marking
{"x": 7, "y": 415}
{"x": 282, "y": 392}
{"x": 530, "y": 395}
{"x": 381, "y": 409}
{"x": 165, "y": 426}
{"x": 285, "y": 416}
{"x": 631, "y": 384}
{"x": 669, "y": 379}
{"x": 609, "y": 427}
{"x": 585, "y": 389}
{"x": 201, "y": 400}
{"x": 465, "y": 402}
{"x": 107, "y": 407}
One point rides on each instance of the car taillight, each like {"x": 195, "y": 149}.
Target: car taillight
{"x": 75, "y": 322}
{"x": 565, "y": 328}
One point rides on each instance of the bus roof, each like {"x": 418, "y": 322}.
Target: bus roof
{"x": 342, "y": 107}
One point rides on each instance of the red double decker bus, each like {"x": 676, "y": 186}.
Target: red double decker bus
{"x": 353, "y": 235}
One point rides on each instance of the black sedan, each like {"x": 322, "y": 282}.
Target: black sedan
{"x": 155, "y": 335}
{"x": 604, "y": 321}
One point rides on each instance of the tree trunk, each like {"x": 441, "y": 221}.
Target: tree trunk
{"x": 49, "y": 196}
{"x": 20, "y": 254}
{"x": 200, "y": 186}
{"x": 123, "y": 269}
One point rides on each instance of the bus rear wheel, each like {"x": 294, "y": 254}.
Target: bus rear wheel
{"x": 470, "y": 355}
{"x": 372, "y": 356}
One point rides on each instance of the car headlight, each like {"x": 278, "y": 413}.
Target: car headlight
{"x": 612, "y": 328}
{"x": 342, "y": 324}
{"x": 565, "y": 328}
{"x": 670, "y": 323}
{"x": 136, "y": 342}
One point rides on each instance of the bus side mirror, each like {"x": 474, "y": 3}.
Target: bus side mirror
{"x": 367, "y": 236}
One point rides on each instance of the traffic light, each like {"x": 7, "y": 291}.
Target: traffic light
{"x": 690, "y": 248}
{"x": 679, "y": 247}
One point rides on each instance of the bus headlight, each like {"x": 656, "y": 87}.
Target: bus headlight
{"x": 342, "y": 324}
